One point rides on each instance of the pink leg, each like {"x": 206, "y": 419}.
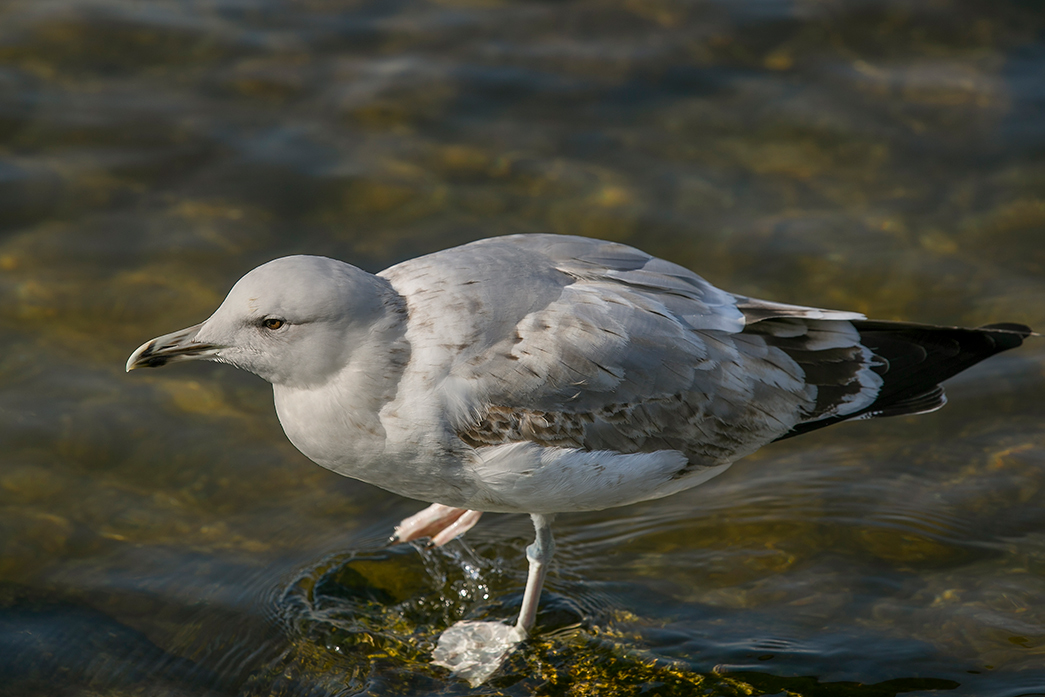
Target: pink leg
{"x": 473, "y": 649}
{"x": 539, "y": 554}
{"x": 439, "y": 522}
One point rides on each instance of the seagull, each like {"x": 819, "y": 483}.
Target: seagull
{"x": 546, "y": 374}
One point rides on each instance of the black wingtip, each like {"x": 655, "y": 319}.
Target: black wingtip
{"x": 917, "y": 358}
{"x": 1008, "y": 335}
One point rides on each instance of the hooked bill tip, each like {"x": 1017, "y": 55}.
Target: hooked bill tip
{"x": 140, "y": 356}
{"x": 143, "y": 361}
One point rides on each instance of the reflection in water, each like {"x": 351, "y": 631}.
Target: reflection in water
{"x": 163, "y": 538}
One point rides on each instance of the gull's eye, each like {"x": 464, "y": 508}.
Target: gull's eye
{"x": 272, "y": 323}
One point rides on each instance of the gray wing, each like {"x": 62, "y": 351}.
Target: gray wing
{"x": 573, "y": 342}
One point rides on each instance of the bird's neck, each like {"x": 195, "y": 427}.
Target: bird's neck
{"x": 337, "y": 425}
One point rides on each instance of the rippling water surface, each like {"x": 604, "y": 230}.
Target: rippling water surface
{"x": 159, "y": 535}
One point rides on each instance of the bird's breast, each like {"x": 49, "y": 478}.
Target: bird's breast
{"x": 389, "y": 450}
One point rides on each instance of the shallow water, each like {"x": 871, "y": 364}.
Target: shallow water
{"x": 159, "y": 535}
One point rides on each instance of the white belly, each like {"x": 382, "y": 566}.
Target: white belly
{"x": 528, "y": 478}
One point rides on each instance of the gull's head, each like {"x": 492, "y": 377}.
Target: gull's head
{"x": 293, "y": 321}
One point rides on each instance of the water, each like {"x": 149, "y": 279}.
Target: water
{"x": 159, "y": 536}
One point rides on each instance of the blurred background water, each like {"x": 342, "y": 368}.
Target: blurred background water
{"x": 159, "y": 535}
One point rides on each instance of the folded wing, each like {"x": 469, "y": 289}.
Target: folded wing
{"x": 599, "y": 346}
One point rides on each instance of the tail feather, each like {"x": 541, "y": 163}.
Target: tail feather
{"x": 913, "y": 359}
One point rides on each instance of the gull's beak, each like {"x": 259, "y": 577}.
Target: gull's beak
{"x": 171, "y": 348}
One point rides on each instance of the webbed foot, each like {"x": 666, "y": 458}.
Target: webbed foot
{"x": 440, "y": 523}
{"x": 475, "y": 650}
